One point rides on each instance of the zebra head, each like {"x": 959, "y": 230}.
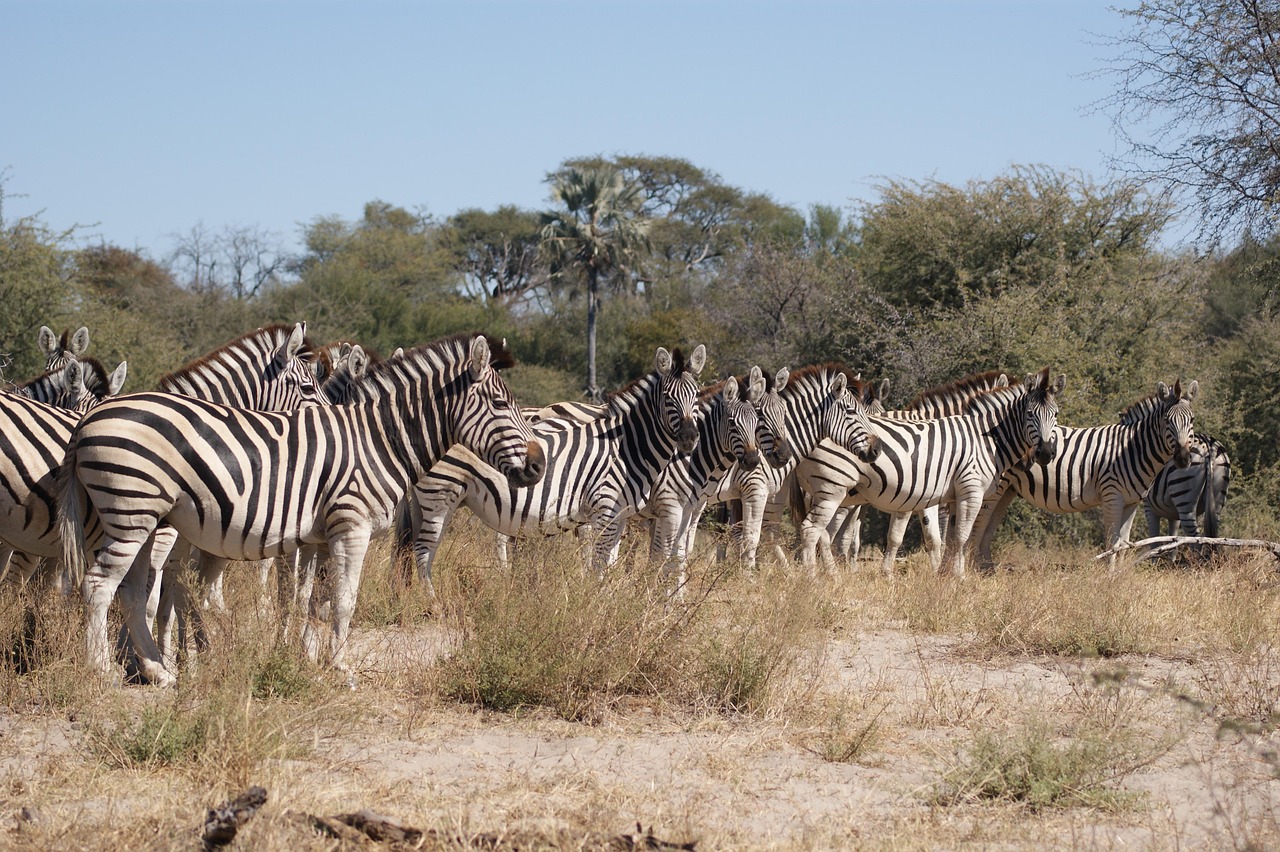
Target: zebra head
{"x": 1040, "y": 414}
{"x": 845, "y": 418}
{"x": 1176, "y": 409}
{"x": 76, "y": 386}
{"x": 289, "y": 380}
{"x": 344, "y": 371}
{"x": 678, "y": 382}
{"x": 491, "y": 424}
{"x": 60, "y": 350}
{"x": 773, "y": 436}
{"x": 736, "y": 429}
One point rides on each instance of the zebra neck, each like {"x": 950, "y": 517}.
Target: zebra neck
{"x": 805, "y": 402}
{"x": 645, "y": 444}
{"x": 1001, "y": 415}
{"x": 713, "y": 453}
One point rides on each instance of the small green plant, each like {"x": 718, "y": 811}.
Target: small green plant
{"x": 1033, "y": 767}
{"x": 283, "y": 674}
{"x": 849, "y": 734}
{"x": 163, "y": 735}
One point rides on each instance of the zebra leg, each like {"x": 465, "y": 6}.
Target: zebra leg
{"x": 893, "y": 541}
{"x": 959, "y": 530}
{"x": 437, "y": 506}
{"x": 1116, "y": 520}
{"x": 811, "y": 529}
{"x": 847, "y": 541}
{"x": 748, "y": 529}
{"x": 346, "y": 560}
{"x": 111, "y": 567}
{"x": 993, "y": 511}
{"x": 931, "y": 526}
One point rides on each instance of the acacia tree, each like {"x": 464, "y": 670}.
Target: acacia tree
{"x": 598, "y": 234}
{"x": 1197, "y": 106}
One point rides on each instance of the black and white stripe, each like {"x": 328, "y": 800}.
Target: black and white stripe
{"x": 59, "y": 351}
{"x": 249, "y": 485}
{"x": 1186, "y": 495}
{"x": 1109, "y": 466}
{"x": 922, "y": 463}
{"x": 599, "y": 472}
{"x": 75, "y": 386}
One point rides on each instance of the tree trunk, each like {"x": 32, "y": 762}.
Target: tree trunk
{"x": 593, "y": 301}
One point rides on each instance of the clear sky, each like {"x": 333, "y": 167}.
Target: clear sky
{"x": 141, "y": 119}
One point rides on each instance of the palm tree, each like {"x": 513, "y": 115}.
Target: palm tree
{"x": 599, "y": 233}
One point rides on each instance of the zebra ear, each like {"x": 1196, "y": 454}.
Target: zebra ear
{"x": 755, "y": 386}
{"x": 839, "y": 385}
{"x": 479, "y": 358}
{"x": 293, "y": 345}
{"x": 730, "y": 391}
{"x": 73, "y": 376}
{"x": 1192, "y": 390}
{"x": 662, "y": 361}
{"x": 359, "y": 361}
{"x": 780, "y": 380}
{"x": 1059, "y": 385}
{"x": 1002, "y": 381}
{"x": 697, "y": 360}
{"x": 399, "y": 351}
{"x": 884, "y": 390}
{"x": 1162, "y": 391}
{"x": 47, "y": 340}
{"x": 116, "y": 380}
{"x": 79, "y": 342}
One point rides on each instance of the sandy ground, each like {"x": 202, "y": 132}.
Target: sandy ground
{"x": 725, "y": 782}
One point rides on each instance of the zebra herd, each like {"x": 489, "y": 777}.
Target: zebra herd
{"x": 272, "y": 448}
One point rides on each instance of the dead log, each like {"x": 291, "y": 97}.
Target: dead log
{"x": 383, "y": 829}
{"x": 222, "y": 822}
{"x": 1149, "y": 548}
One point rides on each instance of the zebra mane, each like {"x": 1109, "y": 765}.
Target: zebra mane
{"x": 270, "y": 337}
{"x": 437, "y": 356}
{"x": 1142, "y": 409}
{"x": 705, "y": 395}
{"x": 960, "y": 389}
{"x": 801, "y": 375}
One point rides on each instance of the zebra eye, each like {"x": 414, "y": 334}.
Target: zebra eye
{"x": 501, "y": 404}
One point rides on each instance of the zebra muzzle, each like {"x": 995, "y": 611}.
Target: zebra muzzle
{"x": 1182, "y": 456}
{"x": 1047, "y": 450}
{"x": 780, "y": 455}
{"x": 535, "y": 465}
{"x": 750, "y": 458}
{"x": 687, "y": 437}
{"x": 872, "y": 451}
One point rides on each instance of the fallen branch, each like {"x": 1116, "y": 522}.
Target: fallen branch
{"x": 1152, "y": 547}
{"x": 222, "y": 822}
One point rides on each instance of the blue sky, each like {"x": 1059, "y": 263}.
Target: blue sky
{"x": 139, "y": 120}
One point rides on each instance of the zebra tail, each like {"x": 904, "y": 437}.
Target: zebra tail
{"x": 72, "y": 499}
{"x": 1210, "y": 487}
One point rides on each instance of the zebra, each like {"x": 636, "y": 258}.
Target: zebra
{"x": 924, "y": 462}
{"x": 35, "y": 425}
{"x": 77, "y": 385}
{"x": 243, "y": 484}
{"x": 1197, "y": 491}
{"x": 598, "y": 472}
{"x": 58, "y": 351}
{"x": 805, "y": 394}
{"x": 1109, "y": 466}
{"x": 729, "y": 432}
{"x": 843, "y": 534}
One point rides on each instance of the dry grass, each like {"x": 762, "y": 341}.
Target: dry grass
{"x": 1054, "y": 704}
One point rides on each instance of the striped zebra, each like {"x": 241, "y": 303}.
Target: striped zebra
{"x": 598, "y": 472}
{"x": 35, "y": 428}
{"x": 1185, "y": 495}
{"x": 75, "y": 386}
{"x": 728, "y": 435}
{"x": 58, "y": 351}
{"x": 1109, "y": 466}
{"x": 924, "y": 462}
{"x": 843, "y": 535}
{"x": 804, "y": 395}
{"x": 244, "y": 484}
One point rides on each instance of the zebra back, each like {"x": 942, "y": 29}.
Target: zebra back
{"x": 270, "y": 369}
{"x": 58, "y": 351}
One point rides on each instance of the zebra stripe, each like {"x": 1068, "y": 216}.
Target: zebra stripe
{"x": 1184, "y": 495}
{"x": 59, "y": 351}
{"x": 924, "y": 462}
{"x": 844, "y": 536}
{"x": 1109, "y": 466}
{"x": 728, "y": 435}
{"x": 812, "y": 397}
{"x": 75, "y": 386}
{"x": 247, "y": 485}
{"x": 598, "y": 472}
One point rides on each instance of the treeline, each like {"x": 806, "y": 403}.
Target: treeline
{"x": 924, "y": 283}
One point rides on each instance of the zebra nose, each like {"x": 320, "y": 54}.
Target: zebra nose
{"x": 872, "y": 451}
{"x": 687, "y": 437}
{"x": 1047, "y": 450}
{"x": 1182, "y": 457}
{"x": 750, "y": 458}
{"x": 781, "y": 453}
{"x": 535, "y": 465}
